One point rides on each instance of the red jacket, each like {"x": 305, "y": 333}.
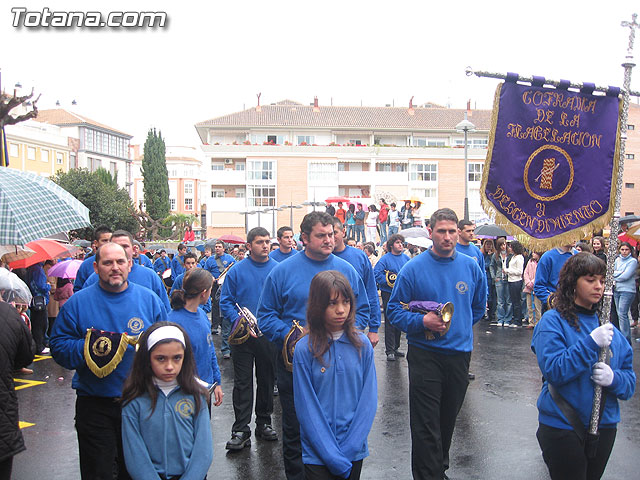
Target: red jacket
{"x": 384, "y": 213}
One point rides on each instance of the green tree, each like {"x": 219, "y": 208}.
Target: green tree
{"x": 155, "y": 176}
{"x": 107, "y": 204}
{"x": 178, "y": 223}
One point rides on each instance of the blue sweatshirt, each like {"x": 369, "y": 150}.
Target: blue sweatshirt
{"x": 131, "y": 311}
{"x": 472, "y": 251}
{"x": 177, "y": 266}
{"x": 359, "y": 260}
{"x": 624, "y": 273}
{"x": 212, "y": 264}
{"x": 85, "y": 270}
{"x": 388, "y": 263}
{"x": 38, "y": 281}
{"x": 457, "y": 279}
{"x": 286, "y": 290}
{"x": 202, "y": 263}
{"x": 547, "y": 273}
{"x": 278, "y": 256}
{"x": 177, "y": 285}
{"x": 243, "y": 285}
{"x": 144, "y": 277}
{"x": 336, "y": 402}
{"x": 143, "y": 261}
{"x": 566, "y": 358}
{"x": 171, "y": 442}
{"x": 161, "y": 264}
{"x": 199, "y": 330}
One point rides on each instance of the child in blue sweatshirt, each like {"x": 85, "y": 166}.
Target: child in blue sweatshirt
{"x": 334, "y": 381}
{"x": 166, "y": 431}
{"x": 566, "y": 342}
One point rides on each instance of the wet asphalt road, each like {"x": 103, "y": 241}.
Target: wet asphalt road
{"x": 494, "y": 437}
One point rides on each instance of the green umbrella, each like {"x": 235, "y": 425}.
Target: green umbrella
{"x": 33, "y": 207}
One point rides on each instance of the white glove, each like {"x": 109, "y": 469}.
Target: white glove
{"x": 603, "y": 335}
{"x": 602, "y": 374}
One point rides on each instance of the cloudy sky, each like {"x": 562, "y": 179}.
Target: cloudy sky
{"x": 214, "y": 56}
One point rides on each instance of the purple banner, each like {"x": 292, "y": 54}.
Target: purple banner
{"x": 552, "y": 161}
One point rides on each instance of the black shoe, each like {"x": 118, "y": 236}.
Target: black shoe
{"x": 239, "y": 440}
{"x": 391, "y": 357}
{"x": 215, "y": 331}
{"x": 472, "y": 376}
{"x": 275, "y": 391}
{"x": 266, "y": 432}
{"x": 399, "y": 354}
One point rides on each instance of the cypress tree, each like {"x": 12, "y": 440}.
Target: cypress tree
{"x": 155, "y": 176}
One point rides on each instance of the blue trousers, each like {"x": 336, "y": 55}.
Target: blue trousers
{"x": 623, "y": 304}
{"x": 360, "y": 234}
{"x": 504, "y": 301}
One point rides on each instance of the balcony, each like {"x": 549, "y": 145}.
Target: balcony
{"x": 227, "y": 177}
{"x": 372, "y": 178}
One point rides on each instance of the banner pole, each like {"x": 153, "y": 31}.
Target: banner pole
{"x": 615, "y": 224}
{"x": 555, "y": 83}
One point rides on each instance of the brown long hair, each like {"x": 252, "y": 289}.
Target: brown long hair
{"x": 326, "y": 286}
{"x": 140, "y": 380}
{"x": 563, "y": 299}
{"x": 499, "y": 242}
{"x": 195, "y": 281}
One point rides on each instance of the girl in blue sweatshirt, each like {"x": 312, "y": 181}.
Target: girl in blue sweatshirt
{"x": 166, "y": 431}
{"x": 334, "y": 383}
{"x": 566, "y": 342}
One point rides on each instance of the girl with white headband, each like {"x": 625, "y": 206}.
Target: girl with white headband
{"x": 166, "y": 430}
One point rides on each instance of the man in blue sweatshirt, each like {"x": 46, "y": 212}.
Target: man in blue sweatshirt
{"x": 465, "y": 244}
{"x": 216, "y": 264}
{"x": 438, "y": 362}
{"x": 286, "y": 245}
{"x": 114, "y": 305}
{"x": 284, "y": 299}
{"x": 359, "y": 260}
{"x": 243, "y": 286}
{"x": 547, "y": 273}
{"x": 386, "y": 271}
{"x": 177, "y": 264}
{"x": 101, "y": 236}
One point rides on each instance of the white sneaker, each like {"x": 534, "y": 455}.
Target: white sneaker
{"x": 45, "y": 351}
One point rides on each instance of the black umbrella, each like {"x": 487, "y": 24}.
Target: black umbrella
{"x": 491, "y": 230}
{"x": 629, "y": 219}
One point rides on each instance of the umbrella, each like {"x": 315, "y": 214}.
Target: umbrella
{"x": 171, "y": 251}
{"x": 229, "y": 238}
{"x": 32, "y": 207}
{"x": 387, "y": 196}
{"x": 81, "y": 243}
{"x": 13, "y": 289}
{"x": 45, "y": 250}
{"x": 420, "y": 242}
{"x": 10, "y": 253}
{"x": 414, "y": 232}
{"x": 66, "y": 269}
{"x": 629, "y": 219}
{"x": 342, "y": 199}
{"x": 490, "y": 231}
{"x": 413, "y": 200}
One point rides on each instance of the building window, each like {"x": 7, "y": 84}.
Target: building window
{"x": 383, "y": 167}
{"x": 44, "y": 155}
{"x": 73, "y": 161}
{"x": 31, "y": 153}
{"x": 631, "y": 127}
{"x": 353, "y": 142}
{"x": 323, "y": 172}
{"x": 172, "y": 172}
{"x": 629, "y": 185}
{"x": 261, "y": 196}
{"x": 306, "y": 139}
{"x": 472, "y": 142}
{"x": 172, "y": 204}
{"x": 424, "y": 192}
{"x": 401, "y": 167}
{"x": 628, "y": 213}
{"x": 424, "y": 172}
{"x": 239, "y": 166}
{"x": 217, "y": 166}
{"x": 629, "y": 156}
{"x": 217, "y": 193}
{"x": 475, "y": 172}
{"x": 94, "y": 164}
{"x": 188, "y": 204}
{"x": 188, "y": 188}
{"x": 59, "y": 158}
{"x": 241, "y": 193}
{"x": 260, "y": 170}
{"x": 13, "y": 150}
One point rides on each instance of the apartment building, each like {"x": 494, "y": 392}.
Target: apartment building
{"x": 631, "y": 178}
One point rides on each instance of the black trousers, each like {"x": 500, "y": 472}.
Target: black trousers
{"x": 492, "y": 300}
{"x": 5, "y": 468}
{"x": 515, "y": 292}
{"x": 391, "y": 333}
{"x": 216, "y": 318}
{"x": 258, "y": 352}
{"x": 320, "y": 472}
{"x": 437, "y": 387}
{"x": 291, "y": 446}
{"x": 39, "y": 322}
{"x": 98, "y": 424}
{"x": 563, "y": 452}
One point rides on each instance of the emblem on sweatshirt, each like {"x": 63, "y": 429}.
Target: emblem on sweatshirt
{"x": 185, "y": 408}
{"x": 462, "y": 287}
{"x": 135, "y": 325}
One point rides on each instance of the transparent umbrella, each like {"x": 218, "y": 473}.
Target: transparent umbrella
{"x": 12, "y": 289}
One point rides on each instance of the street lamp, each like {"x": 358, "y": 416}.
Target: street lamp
{"x": 291, "y": 206}
{"x": 314, "y": 204}
{"x": 273, "y": 211}
{"x": 246, "y": 214}
{"x": 465, "y": 127}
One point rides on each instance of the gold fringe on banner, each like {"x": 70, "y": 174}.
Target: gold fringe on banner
{"x": 101, "y": 372}
{"x": 566, "y": 238}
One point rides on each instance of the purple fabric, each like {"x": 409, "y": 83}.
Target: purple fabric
{"x": 552, "y": 158}
{"x": 423, "y": 306}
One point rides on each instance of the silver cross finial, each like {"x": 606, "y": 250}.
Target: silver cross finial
{"x": 632, "y": 34}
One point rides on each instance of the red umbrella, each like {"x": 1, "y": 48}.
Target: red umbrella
{"x": 45, "y": 250}
{"x": 624, "y": 237}
{"x": 338, "y": 199}
{"x": 229, "y": 238}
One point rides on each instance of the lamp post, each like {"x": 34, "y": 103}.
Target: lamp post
{"x": 291, "y": 206}
{"x": 273, "y": 211}
{"x": 314, "y": 204}
{"x": 465, "y": 126}
{"x": 246, "y": 214}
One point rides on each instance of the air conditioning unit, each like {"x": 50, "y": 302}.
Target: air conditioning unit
{"x": 228, "y": 161}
